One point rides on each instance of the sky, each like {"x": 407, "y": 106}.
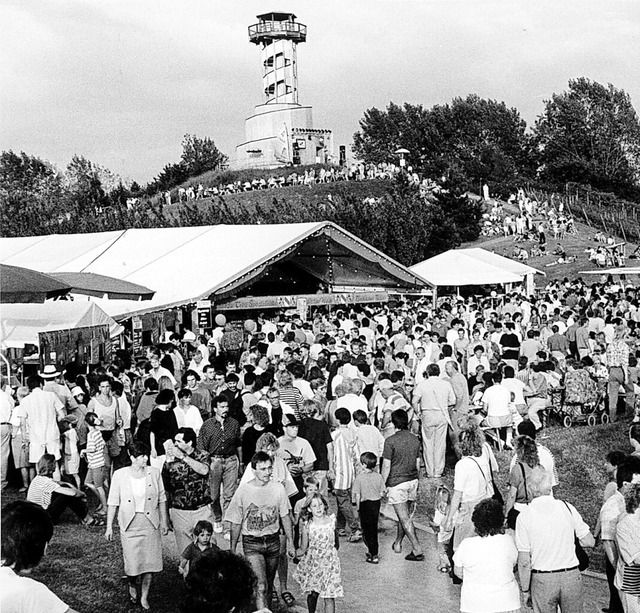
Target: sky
{"x": 121, "y": 81}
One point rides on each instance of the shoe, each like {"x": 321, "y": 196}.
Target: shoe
{"x": 372, "y": 559}
{"x": 356, "y": 536}
{"x": 412, "y": 557}
{"x": 342, "y": 532}
{"x": 218, "y": 528}
{"x": 288, "y": 598}
{"x": 227, "y": 536}
{"x": 368, "y": 558}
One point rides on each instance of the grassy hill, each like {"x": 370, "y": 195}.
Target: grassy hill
{"x": 574, "y": 245}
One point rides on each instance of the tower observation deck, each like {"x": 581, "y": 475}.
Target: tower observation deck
{"x": 280, "y": 131}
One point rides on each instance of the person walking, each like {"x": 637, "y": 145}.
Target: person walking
{"x": 545, "y": 537}
{"x": 432, "y": 399}
{"x": 401, "y": 457}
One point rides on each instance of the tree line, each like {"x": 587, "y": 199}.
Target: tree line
{"x": 589, "y": 134}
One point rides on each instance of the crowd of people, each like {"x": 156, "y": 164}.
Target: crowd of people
{"x": 290, "y": 438}
{"x": 311, "y": 176}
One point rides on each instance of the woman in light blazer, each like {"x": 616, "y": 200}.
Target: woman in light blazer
{"x": 137, "y": 495}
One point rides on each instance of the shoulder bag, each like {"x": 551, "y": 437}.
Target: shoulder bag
{"x": 513, "y": 512}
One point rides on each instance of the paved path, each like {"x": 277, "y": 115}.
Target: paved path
{"x": 398, "y": 585}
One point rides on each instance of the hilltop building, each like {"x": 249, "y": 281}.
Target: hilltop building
{"x": 281, "y": 131}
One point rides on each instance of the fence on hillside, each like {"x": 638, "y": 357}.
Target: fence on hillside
{"x": 599, "y": 210}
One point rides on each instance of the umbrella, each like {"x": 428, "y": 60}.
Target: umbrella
{"x": 92, "y": 284}
{"x": 25, "y": 285}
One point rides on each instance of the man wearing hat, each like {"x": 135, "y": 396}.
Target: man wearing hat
{"x": 52, "y": 383}
{"x": 42, "y": 411}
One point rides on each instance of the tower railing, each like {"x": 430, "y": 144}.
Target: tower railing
{"x": 267, "y": 30}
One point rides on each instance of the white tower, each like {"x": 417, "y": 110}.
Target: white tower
{"x": 279, "y": 35}
{"x": 280, "y": 131}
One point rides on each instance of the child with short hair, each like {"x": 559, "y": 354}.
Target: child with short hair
{"x": 310, "y": 485}
{"x": 443, "y": 537}
{"x": 70, "y": 446}
{"x": 369, "y": 437}
{"x": 202, "y": 533}
{"x": 94, "y": 455}
{"x": 367, "y": 491}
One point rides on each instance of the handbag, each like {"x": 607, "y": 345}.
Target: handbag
{"x": 496, "y": 492}
{"x": 513, "y": 512}
{"x": 581, "y": 554}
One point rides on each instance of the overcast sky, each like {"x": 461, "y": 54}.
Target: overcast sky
{"x": 121, "y": 81}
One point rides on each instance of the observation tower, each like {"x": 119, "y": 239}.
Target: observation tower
{"x": 281, "y": 132}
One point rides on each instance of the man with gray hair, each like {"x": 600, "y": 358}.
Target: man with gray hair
{"x": 432, "y": 400}
{"x": 547, "y": 561}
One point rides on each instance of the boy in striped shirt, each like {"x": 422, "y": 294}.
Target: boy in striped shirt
{"x": 94, "y": 456}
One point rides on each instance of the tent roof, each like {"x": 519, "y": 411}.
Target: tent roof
{"x": 475, "y": 266}
{"x": 92, "y": 284}
{"x": 21, "y": 323}
{"x": 184, "y": 265}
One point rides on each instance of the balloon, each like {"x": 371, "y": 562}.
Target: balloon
{"x": 221, "y": 319}
{"x": 250, "y": 325}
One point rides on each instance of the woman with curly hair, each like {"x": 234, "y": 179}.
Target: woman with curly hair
{"x": 486, "y": 563}
{"x": 259, "y": 418}
{"x": 220, "y": 581}
{"x": 519, "y": 495}
{"x": 472, "y": 481}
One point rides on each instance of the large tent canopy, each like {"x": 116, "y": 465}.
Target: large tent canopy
{"x": 21, "y": 323}
{"x": 474, "y": 266}
{"x": 184, "y": 265}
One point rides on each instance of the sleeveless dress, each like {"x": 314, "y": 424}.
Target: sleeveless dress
{"x": 319, "y": 569}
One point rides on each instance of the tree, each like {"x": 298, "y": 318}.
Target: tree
{"x": 30, "y": 192}
{"x": 200, "y": 155}
{"x": 468, "y": 141}
{"x": 590, "y": 134}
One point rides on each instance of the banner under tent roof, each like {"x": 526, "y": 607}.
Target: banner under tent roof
{"x": 184, "y": 265}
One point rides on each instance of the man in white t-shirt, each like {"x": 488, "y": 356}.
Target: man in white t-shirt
{"x": 26, "y": 532}
{"x": 547, "y": 561}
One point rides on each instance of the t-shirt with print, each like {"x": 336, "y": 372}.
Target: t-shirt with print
{"x": 258, "y": 508}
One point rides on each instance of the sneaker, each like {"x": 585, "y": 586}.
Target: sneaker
{"x": 375, "y": 559}
{"x": 342, "y": 532}
{"x": 368, "y": 558}
{"x": 218, "y": 528}
{"x": 356, "y": 536}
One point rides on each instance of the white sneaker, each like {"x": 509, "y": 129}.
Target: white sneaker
{"x": 218, "y": 528}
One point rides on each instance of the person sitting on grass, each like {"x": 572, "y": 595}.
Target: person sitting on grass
{"x": 26, "y": 532}
{"x": 56, "y": 496}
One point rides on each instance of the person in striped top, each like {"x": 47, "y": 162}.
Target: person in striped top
{"x": 94, "y": 456}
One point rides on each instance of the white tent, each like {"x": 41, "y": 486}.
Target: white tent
{"x": 21, "y": 323}
{"x": 184, "y": 265}
{"x": 474, "y": 266}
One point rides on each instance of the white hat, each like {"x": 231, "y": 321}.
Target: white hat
{"x": 77, "y": 390}
{"x": 188, "y": 337}
{"x": 50, "y": 372}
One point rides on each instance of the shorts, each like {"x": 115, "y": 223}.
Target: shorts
{"x": 37, "y": 450}
{"x": 71, "y": 463}
{"x": 265, "y": 546}
{"x": 403, "y": 492}
{"x": 95, "y": 477}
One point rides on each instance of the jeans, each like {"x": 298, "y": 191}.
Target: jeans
{"x": 346, "y": 514}
{"x": 616, "y": 376}
{"x": 223, "y": 472}
{"x": 5, "y": 448}
{"x": 369, "y": 512}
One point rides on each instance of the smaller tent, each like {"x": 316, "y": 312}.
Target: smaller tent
{"x": 474, "y": 266}
{"x": 21, "y": 323}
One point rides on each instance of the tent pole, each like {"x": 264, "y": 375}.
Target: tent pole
{"x": 434, "y": 299}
